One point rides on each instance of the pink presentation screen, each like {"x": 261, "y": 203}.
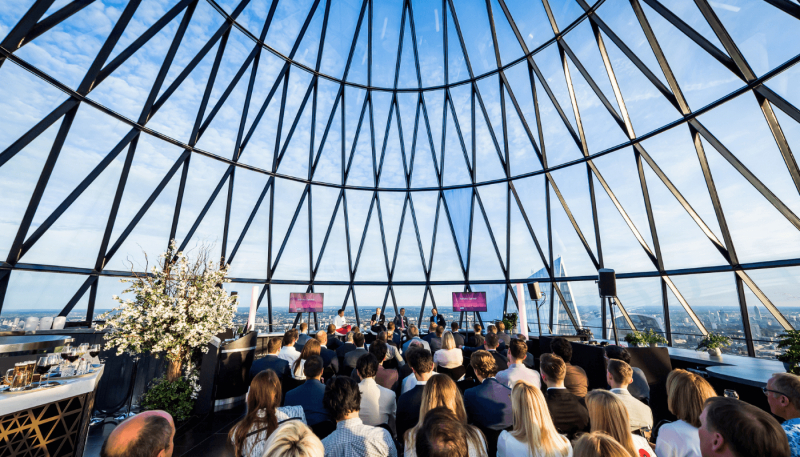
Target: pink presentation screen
{"x": 469, "y": 301}
{"x": 305, "y": 303}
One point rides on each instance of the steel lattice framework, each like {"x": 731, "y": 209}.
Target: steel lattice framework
{"x": 457, "y": 124}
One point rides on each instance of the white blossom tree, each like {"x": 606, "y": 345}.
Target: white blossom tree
{"x": 177, "y": 307}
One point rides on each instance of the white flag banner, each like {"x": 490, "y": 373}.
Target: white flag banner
{"x": 251, "y": 319}
{"x": 523, "y": 314}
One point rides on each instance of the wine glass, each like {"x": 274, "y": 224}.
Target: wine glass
{"x": 94, "y": 352}
{"x": 42, "y": 367}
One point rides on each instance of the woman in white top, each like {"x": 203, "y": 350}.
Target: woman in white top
{"x": 534, "y": 434}
{"x": 249, "y": 436}
{"x": 686, "y": 394}
{"x": 441, "y": 391}
{"x": 449, "y": 356}
{"x": 608, "y": 414}
{"x": 310, "y": 349}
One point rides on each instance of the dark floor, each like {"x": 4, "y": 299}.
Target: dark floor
{"x": 200, "y": 436}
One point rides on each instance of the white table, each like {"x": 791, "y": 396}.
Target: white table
{"x": 13, "y": 402}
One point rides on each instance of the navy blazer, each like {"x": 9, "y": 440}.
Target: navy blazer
{"x": 333, "y": 342}
{"x": 408, "y": 406}
{"x": 269, "y": 362}
{"x": 397, "y": 338}
{"x": 489, "y": 405}
{"x": 309, "y": 396}
{"x": 459, "y": 339}
{"x": 344, "y": 349}
{"x": 351, "y": 359}
{"x": 329, "y": 359}
{"x": 568, "y": 412}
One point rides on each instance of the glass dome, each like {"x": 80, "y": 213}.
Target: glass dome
{"x": 389, "y": 153}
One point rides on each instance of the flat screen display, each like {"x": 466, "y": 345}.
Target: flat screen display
{"x": 469, "y": 301}
{"x": 305, "y": 303}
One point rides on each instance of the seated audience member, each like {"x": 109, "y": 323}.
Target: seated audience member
{"x": 568, "y": 413}
{"x": 529, "y": 362}
{"x": 505, "y": 338}
{"x": 309, "y": 395}
{"x": 575, "y": 381}
{"x": 443, "y": 435}
{"x": 732, "y": 428}
{"x": 783, "y": 396}
{"x": 352, "y": 438}
{"x": 639, "y": 388}
{"x": 490, "y": 344}
{"x": 250, "y": 434}
{"x": 401, "y": 322}
{"x": 488, "y": 404}
{"x": 619, "y": 375}
{"x": 293, "y": 439}
{"x": 393, "y": 335}
{"x": 608, "y": 414}
{"x": 149, "y": 433}
{"x": 311, "y": 349}
{"x": 413, "y": 334}
{"x": 384, "y": 378}
{"x": 431, "y": 332}
{"x": 410, "y": 381}
{"x": 341, "y": 323}
{"x": 475, "y": 339}
{"x": 329, "y": 358}
{"x": 271, "y": 361}
{"x": 351, "y": 358}
{"x": 501, "y": 345}
{"x": 303, "y": 337}
{"x": 516, "y": 369}
{"x": 408, "y": 404}
{"x": 378, "y": 404}
{"x": 686, "y": 394}
{"x": 346, "y": 347}
{"x": 459, "y": 339}
{"x": 598, "y": 444}
{"x": 392, "y": 353}
{"x": 449, "y": 356}
{"x": 534, "y": 433}
{"x": 436, "y": 340}
{"x": 288, "y": 351}
{"x": 333, "y": 342}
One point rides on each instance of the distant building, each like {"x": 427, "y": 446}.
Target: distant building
{"x": 559, "y": 314}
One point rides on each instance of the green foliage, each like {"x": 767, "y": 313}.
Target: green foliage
{"x": 635, "y": 337}
{"x": 174, "y": 397}
{"x": 713, "y": 341}
{"x": 510, "y": 320}
{"x": 653, "y": 337}
{"x": 791, "y": 341}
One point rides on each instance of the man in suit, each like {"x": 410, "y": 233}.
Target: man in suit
{"x": 329, "y": 358}
{"x": 408, "y": 404}
{"x": 436, "y": 340}
{"x": 568, "y": 412}
{"x": 457, "y": 337}
{"x": 516, "y": 369}
{"x": 619, "y": 376}
{"x": 309, "y": 394}
{"x": 437, "y": 319}
{"x": 489, "y": 404}
{"x": 378, "y": 321}
{"x": 490, "y": 345}
{"x": 431, "y": 332}
{"x": 505, "y": 338}
{"x": 271, "y": 361}
{"x": 303, "y": 338}
{"x": 401, "y": 321}
{"x": 333, "y": 341}
{"x": 413, "y": 332}
{"x": 351, "y": 358}
{"x": 501, "y": 346}
{"x": 476, "y": 339}
{"x": 575, "y": 381}
{"x": 394, "y": 336}
{"x": 346, "y": 347}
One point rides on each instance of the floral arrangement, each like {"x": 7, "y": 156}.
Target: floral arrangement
{"x": 654, "y": 337}
{"x": 635, "y": 338}
{"x": 713, "y": 341}
{"x": 177, "y": 308}
{"x": 510, "y": 321}
{"x": 791, "y": 358}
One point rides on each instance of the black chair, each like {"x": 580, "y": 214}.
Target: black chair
{"x": 491, "y": 436}
{"x": 454, "y": 373}
{"x": 323, "y": 429}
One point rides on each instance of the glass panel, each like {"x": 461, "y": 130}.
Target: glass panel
{"x": 386, "y": 19}
{"x": 780, "y": 286}
{"x": 39, "y": 295}
{"x": 430, "y": 41}
{"x": 642, "y": 300}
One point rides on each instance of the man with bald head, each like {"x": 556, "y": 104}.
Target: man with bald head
{"x": 329, "y": 358}
{"x": 148, "y": 434}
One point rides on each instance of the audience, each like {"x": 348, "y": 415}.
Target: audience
{"x": 288, "y": 352}
{"x": 599, "y": 444}
{"x": 384, "y": 378}
{"x": 449, "y": 356}
{"x": 333, "y": 342}
{"x": 529, "y": 361}
{"x": 516, "y": 371}
{"x": 619, "y": 376}
{"x": 392, "y": 352}
{"x": 783, "y": 396}
{"x": 733, "y": 428}
{"x": 639, "y": 388}
{"x": 264, "y": 412}
{"x": 293, "y": 439}
{"x": 329, "y": 358}
{"x": 309, "y": 395}
{"x": 431, "y": 332}
{"x": 476, "y": 340}
{"x": 410, "y": 381}
{"x": 490, "y": 346}
{"x": 607, "y": 413}
{"x": 303, "y": 338}
{"x": 149, "y": 433}
{"x": 408, "y": 404}
{"x": 443, "y": 435}
{"x": 686, "y": 394}
{"x": 436, "y": 340}
{"x": 394, "y": 335}
{"x": 378, "y": 406}
{"x": 505, "y": 338}
{"x": 459, "y": 339}
{"x": 352, "y": 438}
{"x": 568, "y": 413}
{"x": 413, "y": 333}
{"x": 346, "y": 347}
{"x": 575, "y": 381}
{"x": 351, "y": 358}
{"x": 271, "y": 361}
{"x": 311, "y": 349}
{"x": 534, "y": 434}
{"x": 488, "y": 404}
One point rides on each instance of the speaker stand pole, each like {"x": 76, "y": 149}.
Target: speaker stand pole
{"x": 613, "y": 321}
{"x": 538, "y": 316}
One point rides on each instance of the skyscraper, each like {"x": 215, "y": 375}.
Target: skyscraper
{"x": 559, "y": 314}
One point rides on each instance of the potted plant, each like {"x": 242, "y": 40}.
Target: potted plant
{"x": 510, "y": 322}
{"x": 635, "y": 338}
{"x": 712, "y": 343}
{"x": 654, "y": 338}
{"x": 791, "y": 358}
{"x": 177, "y": 307}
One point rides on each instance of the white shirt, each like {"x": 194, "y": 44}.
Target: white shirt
{"x": 508, "y": 446}
{"x": 298, "y": 373}
{"x": 255, "y": 444}
{"x": 339, "y": 321}
{"x": 410, "y": 382}
{"x": 678, "y": 439}
{"x": 640, "y": 414}
{"x": 641, "y": 444}
{"x": 378, "y": 404}
{"x": 448, "y": 358}
{"x": 516, "y": 372}
{"x": 289, "y": 354}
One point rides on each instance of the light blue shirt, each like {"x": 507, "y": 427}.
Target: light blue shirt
{"x": 792, "y": 429}
{"x": 516, "y": 372}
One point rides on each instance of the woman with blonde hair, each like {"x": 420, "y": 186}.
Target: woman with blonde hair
{"x": 597, "y": 444}
{"x": 607, "y": 413}
{"x": 534, "y": 434}
{"x": 440, "y": 390}
{"x": 449, "y": 356}
{"x": 293, "y": 439}
{"x": 686, "y": 395}
{"x": 310, "y": 349}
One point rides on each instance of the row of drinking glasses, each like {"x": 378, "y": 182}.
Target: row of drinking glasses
{"x": 23, "y": 372}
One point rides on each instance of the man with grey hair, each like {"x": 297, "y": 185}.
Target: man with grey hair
{"x": 413, "y": 333}
{"x": 783, "y": 396}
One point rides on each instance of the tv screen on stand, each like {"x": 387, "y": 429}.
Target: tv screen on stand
{"x": 305, "y": 303}
{"x": 469, "y": 301}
